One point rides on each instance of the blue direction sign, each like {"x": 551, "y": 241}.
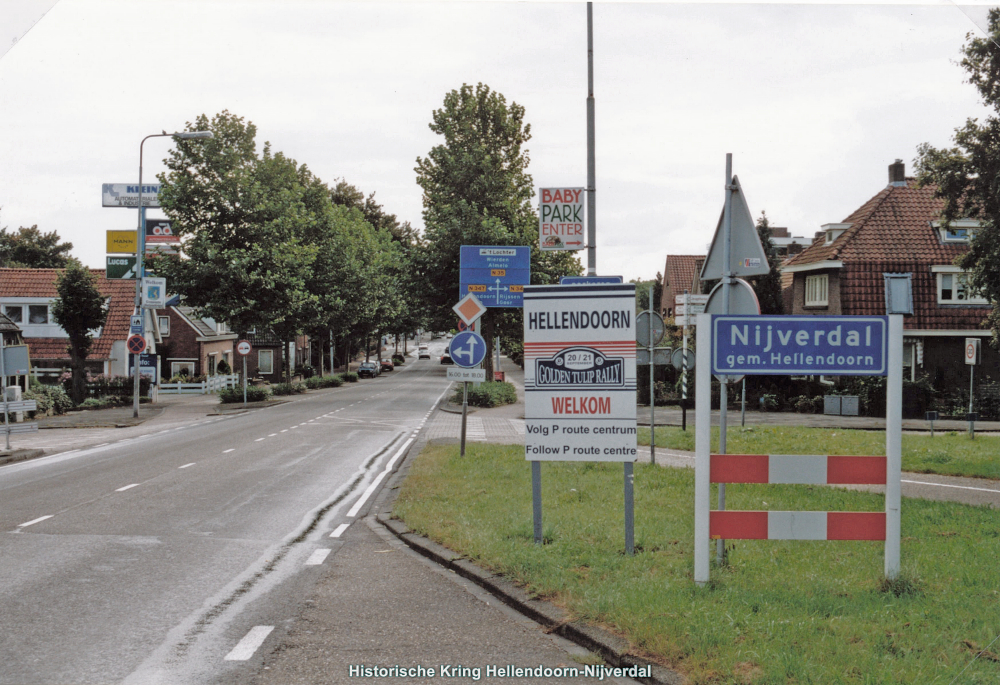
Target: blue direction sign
{"x": 467, "y": 349}
{"x": 792, "y": 345}
{"x": 496, "y": 274}
{"x": 590, "y": 280}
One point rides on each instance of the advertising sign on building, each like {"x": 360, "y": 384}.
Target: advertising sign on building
{"x": 127, "y": 195}
{"x": 495, "y": 274}
{"x": 121, "y": 267}
{"x": 160, "y": 231}
{"x": 122, "y": 242}
{"x": 560, "y": 218}
{"x": 821, "y": 345}
{"x": 147, "y": 366}
{"x": 579, "y": 373}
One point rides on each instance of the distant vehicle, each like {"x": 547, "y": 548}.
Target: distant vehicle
{"x": 424, "y": 353}
{"x": 387, "y": 365}
{"x": 446, "y": 359}
{"x": 367, "y": 370}
{"x": 449, "y": 334}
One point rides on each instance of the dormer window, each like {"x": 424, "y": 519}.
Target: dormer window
{"x": 958, "y": 231}
{"x": 833, "y": 231}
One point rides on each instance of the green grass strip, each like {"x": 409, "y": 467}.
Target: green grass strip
{"x": 780, "y": 612}
{"x": 949, "y": 454}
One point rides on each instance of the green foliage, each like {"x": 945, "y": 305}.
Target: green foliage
{"x": 255, "y": 393}
{"x": 29, "y": 248}
{"x": 349, "y": 377}
{"x": 317, "y": 382}
{"x": 768, "y": 286}
{"x": 642, "y": 293}
{"x": 966, "y": 175}
{"x": 79, "y": 309}
{"x": 49, "y": 398}
{"x": 488, "y": 394}
{"x": 398, "y": 359}
{"x": 288, "y": 388}
{"x": 223, "y": 367}
{"x": 779, "y": 612}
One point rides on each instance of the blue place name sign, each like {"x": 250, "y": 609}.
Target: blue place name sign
{"x": 793, "y": 345}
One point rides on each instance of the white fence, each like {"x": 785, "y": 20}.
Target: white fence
{"x": 210, "y": 385}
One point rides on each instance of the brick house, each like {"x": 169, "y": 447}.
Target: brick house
{"x": 192, "y": 344}
{"x": 893, "y": 246}
{"x": 26, "y": 297}
{"x": 680, "y": 273}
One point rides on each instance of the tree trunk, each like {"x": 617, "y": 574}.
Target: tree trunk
{"x": 487, "y": 333}
{"x": 78, "y": 384}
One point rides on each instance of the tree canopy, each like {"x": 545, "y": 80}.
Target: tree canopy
{"x": 768, "y": 286}
{"x": 29, "y": 248}
{"x": 967, "y": 175}
{"x": 79, "y": 309}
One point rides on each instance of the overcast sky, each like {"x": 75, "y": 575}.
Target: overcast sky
{"x": 814, "y": 101}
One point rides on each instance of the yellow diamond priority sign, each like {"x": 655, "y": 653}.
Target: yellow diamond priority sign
{"x": 469, "y": 308}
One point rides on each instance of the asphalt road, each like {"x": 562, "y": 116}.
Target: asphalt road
{"x": 158, "y": 559}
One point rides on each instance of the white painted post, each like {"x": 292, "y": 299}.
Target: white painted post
{"x": 703, "y": 448}
{"x": 893, "y": 445}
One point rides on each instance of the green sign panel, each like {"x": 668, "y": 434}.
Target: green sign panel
{"x": 121, "y": 267}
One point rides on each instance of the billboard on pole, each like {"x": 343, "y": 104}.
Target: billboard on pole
{"x": 560, "y": 219}
{"x": 127, "y": 194}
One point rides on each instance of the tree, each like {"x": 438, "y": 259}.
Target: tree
{"x": 477, "y": 191}
{"x": 29, "y": 248}
{"x": 79, "y": 309}
{"x": 768, "y": 286}
{"x": 967, "y": 176}
{"x": 642, "y": 293}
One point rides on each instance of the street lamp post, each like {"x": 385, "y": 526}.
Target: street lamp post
{"x": 140, "y": 241}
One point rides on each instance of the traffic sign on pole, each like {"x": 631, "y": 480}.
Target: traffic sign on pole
{"x": 468, "y": 349}
{"x": 136, "y": 344}
{"x": 243, "y": 347}
{"x": 469, "y": 309}
{"x": 497, "y": 274}
{"x": 746, "y": 255}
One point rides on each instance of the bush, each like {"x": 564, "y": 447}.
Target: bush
{"x": 50, "y": 398}
{"x": 306, "y": 371}
{"x": 349, "y": 377}
{"x": 222, "y": 368}
{"x": 234, "y": 395}
{"x": 314, "y": 382}
{"x": 803, "y": 404}
{"x": 287, "y": 388}
{"x": 398, "y": 359}
{"x": 769, "y": 403}
{"x": 489, "y": 394}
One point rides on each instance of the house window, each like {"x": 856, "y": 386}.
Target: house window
{"x": 265, "y": 362}
{"x": 38, "y": 313}
{"x": 816, "y": 290}
{"x": 898, "y": 294}
{"x": 212, "y": 361}
{"x": 14, "y": 312}
{"x": 182, "y": 368}
{"x": 910, "y": 362}
{"x": 164, "y": 322}
{"x": 954, "y": 288}
{"x": 958, "y": 231}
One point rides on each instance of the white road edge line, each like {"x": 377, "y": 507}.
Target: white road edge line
{"x": 340, "y": 530}
{"x": 249, "y": 644}
{"x": 371, "y": 488}
{"x": 318, "y": 557}
{"x": 37, "y": 520}
{"x": 946, "y": 485}
{"x": 127, "y": 487}
{"x": 186, "y": 465}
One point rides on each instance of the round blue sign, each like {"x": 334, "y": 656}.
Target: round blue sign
{"x": 468, "y": 349}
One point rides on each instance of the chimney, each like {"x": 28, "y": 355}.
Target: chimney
{"x": 897, "y": 174}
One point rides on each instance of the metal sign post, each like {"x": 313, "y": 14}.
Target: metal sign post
{"x": 972, "y": 358}
{"x": 652, "y": 387}
{"x": 3, "y": 389}
{"x": 243, "y": 349}
{"x": 467, "y": 350}
{"x": 465, "y": 412}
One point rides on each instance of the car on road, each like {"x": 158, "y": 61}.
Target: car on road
{"x": 367, "y": 370}
{"x": 423, "y": 352}
{"x": 446, "y": 359}
{"x": 387, "y": 365}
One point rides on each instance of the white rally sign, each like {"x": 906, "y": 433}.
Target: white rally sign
{"x": 560, "y": 218}
{"x": 579, "y": 373}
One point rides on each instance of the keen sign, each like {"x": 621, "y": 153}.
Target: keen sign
{"x": 579, "y": 373}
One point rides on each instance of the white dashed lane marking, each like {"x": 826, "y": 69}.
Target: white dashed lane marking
{"x": 186, "y": 465}
{"x": 34, "y": 521}
{"x": 127, "y": 487}
{"x": 231, "y": 449}
{"x": 340, "y": 530}
{"x": 249, "y": 644}
{"x": 259, "y": 439}
{"x": 317, "y": 557}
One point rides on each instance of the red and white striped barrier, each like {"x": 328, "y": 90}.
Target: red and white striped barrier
{"x": 799, "y": 469}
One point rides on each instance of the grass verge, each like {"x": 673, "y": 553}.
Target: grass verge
{"x": 780, "y": 612}
{"x": 949, "y": 454}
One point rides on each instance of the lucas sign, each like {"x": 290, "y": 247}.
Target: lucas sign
{"x": 579, "y": 373}
{"x": 823, "y": 345}
{"x": 560, "y": 218}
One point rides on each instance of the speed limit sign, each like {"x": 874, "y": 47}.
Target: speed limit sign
{"x": 243, "y": 347}
{"x": 972, "y": 351}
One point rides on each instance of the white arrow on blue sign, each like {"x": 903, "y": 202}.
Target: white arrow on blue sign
{"x": 468, "y": 349}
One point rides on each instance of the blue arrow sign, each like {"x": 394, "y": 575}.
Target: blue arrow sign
{"x": 467, "y": 349}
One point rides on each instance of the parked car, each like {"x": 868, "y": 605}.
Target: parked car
{"x": 446, "y": 359}
{"x": 367, "y": 370}
{"x": 387, "y": 365}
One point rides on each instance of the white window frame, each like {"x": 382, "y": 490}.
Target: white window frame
{"x": 954, "y": 274}
{"x": 20, "y": 320}
{"x": 175, "y": 368}
{"x": 817, "y": 290}
{"x": 270, "y": 362}
{"x": 164, "y": 323}
{"x": 961, "y": 230}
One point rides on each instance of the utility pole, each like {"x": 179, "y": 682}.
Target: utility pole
{"x": 591, "y": 158}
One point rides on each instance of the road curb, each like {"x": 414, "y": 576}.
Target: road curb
{"x": 20, "y": 455}
{"x": 611, "y": 648}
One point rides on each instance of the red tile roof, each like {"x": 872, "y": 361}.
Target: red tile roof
{"x": 678, "y": 276}
{"x": 42, "y": 283}
{"x": 892, "y": 233}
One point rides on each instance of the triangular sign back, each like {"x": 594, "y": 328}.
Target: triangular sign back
{"x": 746, "y": 256}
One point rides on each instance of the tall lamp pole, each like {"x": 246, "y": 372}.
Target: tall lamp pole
{"x": 141, "y": 246}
